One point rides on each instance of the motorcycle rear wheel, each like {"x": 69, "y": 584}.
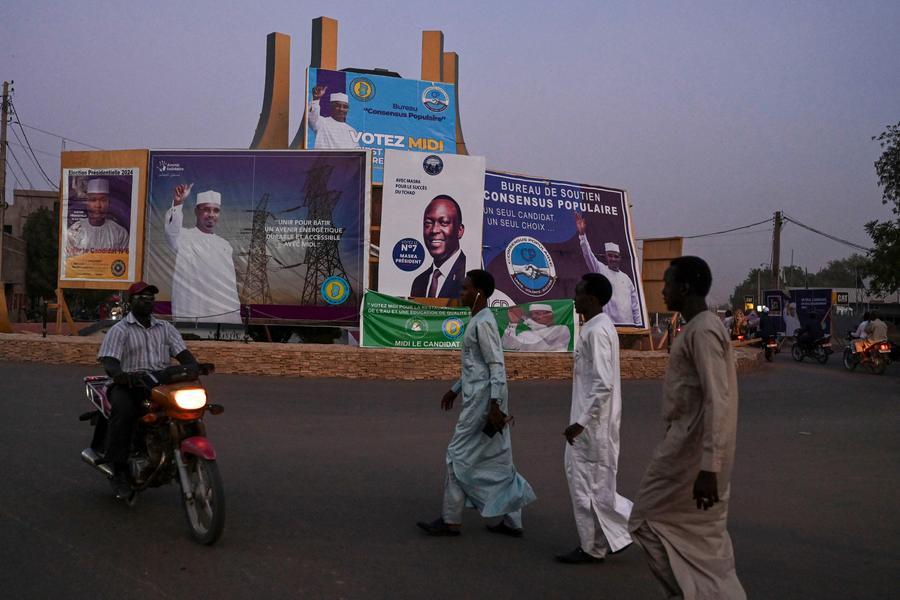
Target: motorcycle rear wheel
{"x": 879, "y": 364}
{"x": 769, "y": 355}
{"x": 797, "y": 352}
{"x": 849, "y": 361}
{"x": 205, "y": 512}
{"x": 821, "y": 355}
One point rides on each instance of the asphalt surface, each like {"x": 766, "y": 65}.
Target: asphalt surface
{"x": 325, "y": 480}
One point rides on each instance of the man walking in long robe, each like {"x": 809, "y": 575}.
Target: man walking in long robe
{"x": 681, "y": 511}
{"x": 480, "y": 469}
{"x": 592, "y": 450}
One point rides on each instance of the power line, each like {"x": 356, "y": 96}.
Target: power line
{"x": 62, "y": 137}
{"x": 691, "y": 237}
{"x": 15, "y": 158}
{"x": 28, "y": 143}
{"x": 38, "y": 150}
{"x": 827, "y": 235}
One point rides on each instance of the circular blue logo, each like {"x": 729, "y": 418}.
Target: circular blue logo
{"x": 435, "y": 99}
{"x": 453, "y": 328}
{"x": 362, "y": 89}
{"x": 530, "y": 266}
{"x": 409, "y": 254}
{"x": 433, "y": 164}
{"x": 335, "y": 290}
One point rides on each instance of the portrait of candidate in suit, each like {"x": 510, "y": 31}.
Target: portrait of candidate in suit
{"x": 442, "y": 228}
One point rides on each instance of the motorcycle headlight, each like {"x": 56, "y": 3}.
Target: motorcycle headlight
{"x": 190, "y": 399}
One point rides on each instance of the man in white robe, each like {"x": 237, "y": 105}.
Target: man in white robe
{"x": 681, "y": 511}
{"x": 480, "y": 470}
{"x": 97, "y": 232}
{"x": 542, "y": 334}
{"x": 331, "y": 132}
{"x": 624, "y": 308}
{"x": 204, "y": 284}
{"x": 592, "y": 449}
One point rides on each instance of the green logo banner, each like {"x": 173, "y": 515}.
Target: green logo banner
{"x": 390, "y": 322}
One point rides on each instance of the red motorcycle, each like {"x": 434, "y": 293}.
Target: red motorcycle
{"x": 876, "y": 356}
{"x": 169, "y": 444}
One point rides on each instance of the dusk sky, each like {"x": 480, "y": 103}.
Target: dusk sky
{"x": 711, "y": 114}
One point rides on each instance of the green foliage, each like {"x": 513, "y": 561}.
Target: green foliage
{"x": 41, "y": 236}
{"x": 885, "y": 257}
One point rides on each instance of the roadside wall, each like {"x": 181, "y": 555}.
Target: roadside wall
{"x": 316, "y": 360}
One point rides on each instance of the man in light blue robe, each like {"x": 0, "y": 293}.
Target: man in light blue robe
{"x": 480, "y": 469}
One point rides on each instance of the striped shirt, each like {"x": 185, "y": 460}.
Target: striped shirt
{"x": 140, "y": 348}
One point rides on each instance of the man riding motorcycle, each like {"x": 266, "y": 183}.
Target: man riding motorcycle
{"x": 811, "y": 331}
{"x": 139, "y": 342}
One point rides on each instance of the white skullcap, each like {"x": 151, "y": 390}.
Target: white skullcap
{"x": 546, "y": 307}
{"x": 611, "y": 247}
{"x": 339, "y": 97}
{"x": 98, "y": 186}
{"x": 209, "y": 197}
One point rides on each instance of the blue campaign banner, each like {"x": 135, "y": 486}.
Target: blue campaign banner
{"x": 354, "y": 110}
{"x": 813, "y": 302}
{"x": 262, "y": 234}
{"x": 540, "y": 237}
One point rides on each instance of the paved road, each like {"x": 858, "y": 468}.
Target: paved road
{"x": 325, "y": 479}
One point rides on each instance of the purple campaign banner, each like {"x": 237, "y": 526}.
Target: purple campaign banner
{"x": 268, "y": 235}
{"x": 541, "y": 236}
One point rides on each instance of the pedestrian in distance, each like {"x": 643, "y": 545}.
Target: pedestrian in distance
{"x": 680, "y": 514}
{"x": 592, "y": 450}
{"x": 480, "y": 470}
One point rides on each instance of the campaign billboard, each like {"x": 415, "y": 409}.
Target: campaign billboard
{"x": 430, "y": 223}
{"x": 541, "y": 236}
{"x": 391, "y": 322}
{"x": 99, "y": 224}
{"x": 355, "y": 110}
{"x": 267, "y": 235}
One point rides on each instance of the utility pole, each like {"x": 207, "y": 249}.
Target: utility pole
{"x": 4, "y": 117}
{"x": 776, "y": 252}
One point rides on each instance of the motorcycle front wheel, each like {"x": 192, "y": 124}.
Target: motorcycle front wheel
{"x": 205, "y": 511}
{"x": 850, "y": 361}
{"x": 821, "y": 355}
{"x": 797, "y": 352}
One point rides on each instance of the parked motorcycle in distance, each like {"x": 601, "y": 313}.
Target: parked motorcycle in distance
{"x": 818, "y": 349}
{"x": 875, "y": 357}
{"x": 169, "y": 444}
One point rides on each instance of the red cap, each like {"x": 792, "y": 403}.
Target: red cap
{"x": 141, "y": 286}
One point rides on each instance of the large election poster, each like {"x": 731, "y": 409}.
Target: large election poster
{"x": 541, "y": 236}
{"x": 355, "y": 110}
{"x": 268, "y": 235}
{"x": 431, "y": 221}
{"x": 99, "y": 224}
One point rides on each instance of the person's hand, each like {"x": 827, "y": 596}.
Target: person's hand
{"x": 572, "y": 432}
{"x": 496, "y": 417}
{"x": 579, "y": 224}
{"x": 182, "y": 191}
{"x": 706, "y": 491}
{"x": 515, "y": 314}
{"x": 319, "y": 91}
{"x": 447, "y": 400}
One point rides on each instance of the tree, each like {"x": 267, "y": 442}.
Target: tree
{"x": 757, "y": 280}
{"x": 843, "y": 273}
{"x": 41, "y": 243}
{"x": 885, "y": 256}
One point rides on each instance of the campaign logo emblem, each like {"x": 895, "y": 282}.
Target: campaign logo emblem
{"x": 433, "y": 164}
{"x": 452, "y": 328}
{"x": 530, "y": 266}
{"x": 362, "y": 89}
{"x": 118, "y": 268}
{"x": 417, "y": 327}
{"x": 435, "y": 99}
{"x": 408, "y": 254}
{"x": 169, "y": 168}
{"x": 335, "y": 290}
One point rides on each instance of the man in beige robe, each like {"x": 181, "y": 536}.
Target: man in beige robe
{"x": 681, "y": 510}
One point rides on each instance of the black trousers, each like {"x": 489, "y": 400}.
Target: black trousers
{"x": 125, "y": 404}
